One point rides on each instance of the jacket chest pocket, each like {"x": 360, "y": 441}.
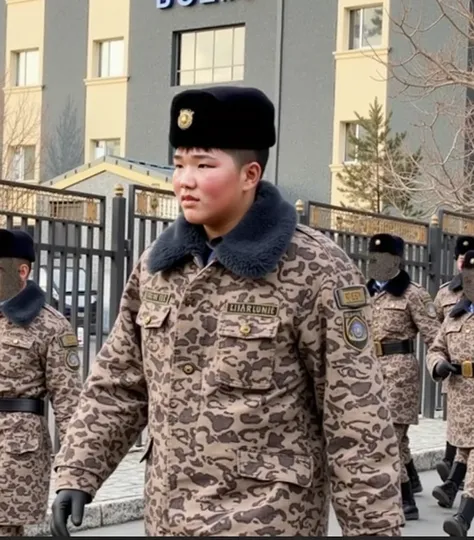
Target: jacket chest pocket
{"x": 395, "y": 315}
{"x": 152, "y": 323}
{"x": 458, "y": 342}
{"x": 17, "y": 356}
{"x": 246, "y": 350}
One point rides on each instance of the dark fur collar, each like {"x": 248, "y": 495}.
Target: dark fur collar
{"x": 455, "y": 284}
{"x": 23, "y": 308}
{"x": 251, "y": 250}
{"x": 396, "y": 286}
{"x": 460, "y": 308}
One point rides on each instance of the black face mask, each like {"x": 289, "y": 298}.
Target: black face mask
{"x": 383, "y": 266}
{"x": 468, "y": 283}
{"x": 10, "y": 280}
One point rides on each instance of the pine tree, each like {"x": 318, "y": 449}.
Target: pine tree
{"x": 380, "y": 175}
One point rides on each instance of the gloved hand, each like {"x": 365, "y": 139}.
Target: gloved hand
{"x": 443, "y": 368}
{"x": 68, "y": 502}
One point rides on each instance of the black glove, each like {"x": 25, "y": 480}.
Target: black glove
{"x": 443, "y": 368}
{"x": 68, "y": 502}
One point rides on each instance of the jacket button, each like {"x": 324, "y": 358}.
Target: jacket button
{"x": 245, "y": 329}
{"x": 188, "y": 369}
{"x": 148, "y": 320}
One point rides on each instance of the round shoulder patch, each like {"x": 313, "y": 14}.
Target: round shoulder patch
{"x": 73, "y": 361}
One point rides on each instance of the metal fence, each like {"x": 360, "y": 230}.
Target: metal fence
{"x": 85, "y": 281}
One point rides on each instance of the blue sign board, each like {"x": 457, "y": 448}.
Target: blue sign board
{"x": 165, "y": 4}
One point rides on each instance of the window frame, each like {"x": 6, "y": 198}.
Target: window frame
{"x": 22, "y": 77}
{"x": 362, "y": 10}
{"x": 95, "y": 143}
{"x": 21, "y": 177}
{"x": 100, "y": 45}
{"x": 358, "y": 127}
{"x": 177, "y": 46}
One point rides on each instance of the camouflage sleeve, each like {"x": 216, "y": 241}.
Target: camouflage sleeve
{"x": 113, "y": 405}
{"x": 438, "y": 306}
{"x": 437, "y": 351}
{"x": 63, "y": 376}
{"x": 361, "y": 446}
{"x": 424, "y": 315}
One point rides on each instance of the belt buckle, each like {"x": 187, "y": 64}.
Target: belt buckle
{"x": 467, "y": 370}
{"x": 378, "y": 348}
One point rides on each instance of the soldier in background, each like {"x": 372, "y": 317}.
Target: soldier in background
{"x": 447, "y": 297}
{"x": 38, "y": 358}
{"x": 451, "y": 355}
{"x": 401, "y": 310}
{"x": 243, "y": 342}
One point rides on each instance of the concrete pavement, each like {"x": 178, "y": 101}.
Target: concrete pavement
{"x": 120, "y": 499}
{"x": 429, "y": 524}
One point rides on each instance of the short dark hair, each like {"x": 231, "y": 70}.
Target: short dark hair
{"x": 242, "y": 157}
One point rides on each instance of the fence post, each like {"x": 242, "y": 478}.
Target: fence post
{"x": 434, "y": 275}
{"x": 300, "y": 209}
{"x": 118, "y": 246}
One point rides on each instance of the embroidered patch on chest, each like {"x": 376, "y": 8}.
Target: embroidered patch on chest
{"x": 264, "y": 310}
{"x": 68, "y": 341}
{"x": 355, "y": 331}
{"x": 157, "y": 298}
{"x": 355, "y": 296}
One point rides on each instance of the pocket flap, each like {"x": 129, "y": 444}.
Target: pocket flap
{"x": 152, "y": 318}
{"x": 22, "y": 342}
{"x": 17, "y": 441}
{"x": 147, "y": 449}
{"x": 399, "y": 305}
{"x": 454, "y": 325}
{"x": 247, "y": 326}
{"x": 276, "y": 467}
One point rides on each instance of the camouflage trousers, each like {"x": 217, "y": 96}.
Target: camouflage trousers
{"x": 8, "y": 530}
{"x": 404, "y": 449}
{"x": 466, "y": 456}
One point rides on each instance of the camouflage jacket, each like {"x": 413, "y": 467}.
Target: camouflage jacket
{"x": 402, "y": 310}
{"x": 38, "y": 355}
{"x": 454, "y": 344}
{"x": 257, "y": 378}
{"x": 448, "y": 296}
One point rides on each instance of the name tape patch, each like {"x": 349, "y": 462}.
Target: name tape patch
{"x": 353, "y": 297}
{"x": 264, "y": 310}
{"x": 69, "y": 340}
{"x": 157, "y": 298}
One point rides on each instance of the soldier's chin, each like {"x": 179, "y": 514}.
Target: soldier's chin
{"x": 194, "y": 216}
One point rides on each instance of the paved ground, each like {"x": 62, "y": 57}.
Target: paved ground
{"x": 120, "y": 499}
{"x": 429, "y": 524}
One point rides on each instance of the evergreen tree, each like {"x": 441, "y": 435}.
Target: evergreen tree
{"x": 380, "y": 175}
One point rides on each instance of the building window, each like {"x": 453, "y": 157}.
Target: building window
{"x": 22, "y": 163}
{"x": 365, "y": 27}
{"x": 27, "y": 68}
{"x": 210, "y": 56}
{"x": 111, "y": 58}
{"x": 351, "y": 129}
{"x": 107, "y": 147}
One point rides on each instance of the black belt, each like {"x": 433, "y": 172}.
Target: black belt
{"x": 466, "y": 369}
{"x": 24, "y": 405}
{"x": 394, "y": 347}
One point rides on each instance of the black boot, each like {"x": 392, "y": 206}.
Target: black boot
{"x": 446, "y": 493}
{"x": 445, "y": 465}
{"x": 409, "y": 505}
{"x": 459, "y": 524}
{"x": 416, "y": 486}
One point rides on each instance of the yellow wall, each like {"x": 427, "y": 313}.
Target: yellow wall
{"x": 22, "y": 105}
{"x": 360, "y": 77}
{"x": 106, "y": 98}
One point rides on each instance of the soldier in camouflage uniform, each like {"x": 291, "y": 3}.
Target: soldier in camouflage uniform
{"x": 447, "y": 297}
{"x": 243, "y": 342}
{"x": 402, "y": 309}
{"x": 38, "y": 357}
{"x": 451, "y": 355}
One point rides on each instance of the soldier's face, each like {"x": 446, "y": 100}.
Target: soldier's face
{"x": 383, "y": 266}
{"x": 468, "y": 283}
{"x": 459, "y": 262}
{"x": 210, "y": 187}
{"x": 12, "y": 278}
